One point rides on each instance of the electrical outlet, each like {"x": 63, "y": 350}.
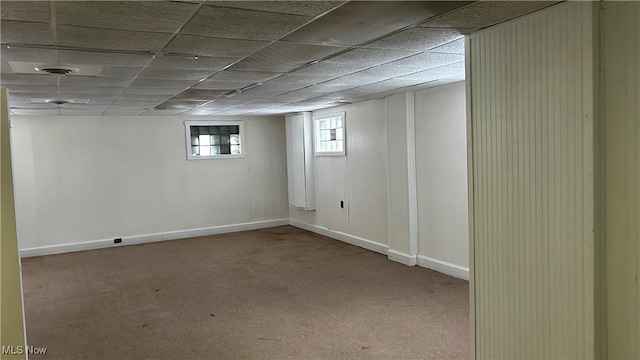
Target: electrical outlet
{"x": 117, "y": 240}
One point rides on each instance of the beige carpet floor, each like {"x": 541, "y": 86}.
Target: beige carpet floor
{"x": 279, "y": 293}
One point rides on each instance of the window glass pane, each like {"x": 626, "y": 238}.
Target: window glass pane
{"x": 211, "y": 140}
{"x": 205, "y": 150}
{"x": 339, "y": 134}
{"x": 204, "y": 139}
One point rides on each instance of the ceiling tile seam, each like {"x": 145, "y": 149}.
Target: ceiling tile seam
{"x": 400, "y": 89}
{"x": 448, "y": 13}
{"x": 26, "y": 21}
{"x": 259, "y": 49}
{"x": 254, "y": 10}
{"x": 175, "y": 33}
{"x": 117, "y": 29}
{"x": 52, "y": 21}
{"x": 549, "y": 3}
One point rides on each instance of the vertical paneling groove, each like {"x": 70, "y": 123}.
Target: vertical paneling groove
{"x": 621, "y": 43}
{"x": 532, "y": 181}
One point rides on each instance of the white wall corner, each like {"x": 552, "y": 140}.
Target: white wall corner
{"x": 141, "y": 239}
{"x": 397, "y": 256}
{"x": 338, "y": 235}
{"x": 444, "y": 267}
{"x": 411, "y": 174}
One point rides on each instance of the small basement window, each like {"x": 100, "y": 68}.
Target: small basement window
{"x": 329, "y": 134}
{"x": 214, "y": 139}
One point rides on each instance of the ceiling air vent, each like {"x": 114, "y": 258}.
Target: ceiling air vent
{"x": 57, "y": 69}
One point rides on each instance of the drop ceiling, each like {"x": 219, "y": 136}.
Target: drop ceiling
{"x": 233, "y": 57}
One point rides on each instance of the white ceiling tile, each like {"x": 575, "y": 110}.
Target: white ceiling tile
{"x": 175, "y": 74}
{"x": 202, "y": 111}
{"x": 360, "y": 21}
{"x": 101, "y": 58}
{"x": 92, "y": 89}
{"x": 453, "y": 47}
{"x": 425, "y": 61}
{"x": 370, "y": 57}
{"x": 326, "y": 70}
{"x": 234, "y": 112}
{"x": 24, "y": 54}
{"x": 485, "y": 13}
{"x": 441, "y": 72}
{"x": 215, "y": 47}
{"x": 28, "y": 79}
{"x": 163, "y": 83}
{"x": 153, "y": 112}
{"x": 201, "y": 63}
{"x": 14, "y": 88}
{"x": 242, "y": 24}
{"x": 243, "y": 76}
{"x": 199, "y": 94}
{"x": 297, "y": 95}
{"x": 36, "y": 11}
{"x": 97, "y": 38}
{"x": 25, "y": 32}
{"x": 93, "y": 81}
{"x": 152, "y": 16}
{"x": 82, "y": 112}
{"x": 120, "y": 71}
{"x": 417, "y": 38}
{"x": 36, "y": 111}
{"x": 124, "y": 112}
{"x": 136, "y": 103}
{"x": 259, "y": 106}
{"x": 152, "y": 90}
{"x": 283, "y": 57}
{"x": 309, "y": 8}
{"x": 222, "y": 85}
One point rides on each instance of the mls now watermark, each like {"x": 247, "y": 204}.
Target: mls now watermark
{"x": 21, "y": 350}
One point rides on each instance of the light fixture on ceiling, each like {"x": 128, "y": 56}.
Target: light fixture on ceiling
{"x": 58, "y": 101}
{"x": 56, "y": 69}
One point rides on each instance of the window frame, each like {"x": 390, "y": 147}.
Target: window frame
{"x": 187, "y": 128}
{"x": 316, "y": 121}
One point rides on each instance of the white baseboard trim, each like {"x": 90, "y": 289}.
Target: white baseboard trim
{"x": 141, "y": 239}
{"x": 338, "y": 235}
{"x": 444, "y": 267}
{"x": 402, "y": 258}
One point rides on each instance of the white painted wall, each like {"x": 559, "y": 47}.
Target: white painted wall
{"x": 359, "y": 179}
{"x": 398, "y": 183}
{"x": 441, "y": 171}
{"x": 81, "y": 179}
